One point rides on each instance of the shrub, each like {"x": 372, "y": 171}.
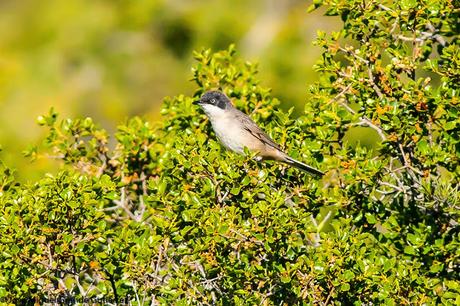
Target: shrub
{"x": 168, "y": 216}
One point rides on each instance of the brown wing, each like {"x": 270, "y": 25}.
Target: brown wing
{"x": 255, "y": 131}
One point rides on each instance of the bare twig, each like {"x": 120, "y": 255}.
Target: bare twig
{"x": 329, "y": 296}
{"x": 160, "y": 258}
{"x": 365, "y": 61}
{"x": 374, "y": 86}
{"x": 56, "y": 271}
{"x": 364, "y": 121}
{"x": 424, "y": 36}
{"x": 135, "y": 292}
{"x": 437, "y": 37}
{"x": 122, "y": 204}
{"x": 392, "y": 186}
{"x": 403, "y": 154}
{"x": 222, "y": 199}
{"x": 394, "y": 26}
{"x": 323, "y": 222}
{"x": 83, "y": 292}
{"x": 317, "y": 235}
{"x": 367, "y": 123}
{"x": 239, "y": 234}
{"x": 341, "y": 93}
{"x": 269, "y": 293}
{"x": 141, "y": 210}
{"x": 385, "y": 8}
{"x": 411, "y": 39}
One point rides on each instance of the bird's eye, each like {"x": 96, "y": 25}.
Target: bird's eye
{"x": 213, "y": 101}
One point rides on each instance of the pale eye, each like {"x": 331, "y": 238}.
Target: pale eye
{"x": 213, "y": 101}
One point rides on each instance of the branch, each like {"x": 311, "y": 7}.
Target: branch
{"x": 56, "y": 270}
{"x": 385, "y": 8}
{"x": 329, "y": 296}
{"x": 364, "y": 121}
{"x": 406, "y": 162}
{"x": 365, "y": 61}
{"x": 344, "y": 91}
{"x": 113, "y": 284}
{"x": 437, "y": 37}
{"x": 122, "y": 204}
{"x": 367, "y": 123}
{"x": 401, "y": 189}
{"x": 425, "y": 35}
{"x": 374, "y": 86}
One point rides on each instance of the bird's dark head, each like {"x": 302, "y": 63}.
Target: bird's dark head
{"x": 214, "y": 98}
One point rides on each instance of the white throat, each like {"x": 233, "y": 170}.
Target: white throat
{"x": 213, "y": 112}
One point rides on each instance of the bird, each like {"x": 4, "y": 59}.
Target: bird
{"x": 236, "y": 130}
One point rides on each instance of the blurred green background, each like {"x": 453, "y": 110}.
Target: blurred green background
{"x": 110, "y": 60}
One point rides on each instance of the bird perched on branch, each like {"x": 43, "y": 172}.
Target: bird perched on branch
{"x": 236, "y": 131}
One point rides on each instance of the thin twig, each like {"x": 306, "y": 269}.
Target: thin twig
{"x": 365, "y": 121}
{"x": 329, "y": 296}
{"x": 411, "y": 39}
{"x": 341, "y": 93}
{"x": 374, "y": 86}
{"x": 392, "y": 186}
{"x": 365, "y": 61}
{"x": 385, "y": 8}
{"x": 438, "y": 37}
{"x": 83, "y": 292}
{"x": 401, "y": 149}
{"x": 122, "y": 204}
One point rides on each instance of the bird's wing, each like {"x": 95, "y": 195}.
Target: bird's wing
{"x": 255, "y": 131}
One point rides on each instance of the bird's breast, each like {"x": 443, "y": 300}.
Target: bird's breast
{"x": 230, "y": 133}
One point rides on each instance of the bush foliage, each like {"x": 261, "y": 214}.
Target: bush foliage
{"x": 163, "y": 214}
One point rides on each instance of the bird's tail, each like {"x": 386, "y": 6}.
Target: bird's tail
{"x": 299, "y": 165}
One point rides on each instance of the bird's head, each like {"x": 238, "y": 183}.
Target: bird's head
{"x": 214, "y": 103}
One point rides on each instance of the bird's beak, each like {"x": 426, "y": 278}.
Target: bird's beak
{"x": 196, "y": 102}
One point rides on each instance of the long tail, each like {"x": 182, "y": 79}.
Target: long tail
{"x": 299, "y": 165}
